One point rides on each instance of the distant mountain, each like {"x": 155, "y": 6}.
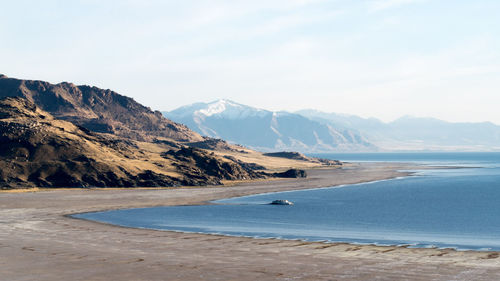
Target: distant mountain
{"x": 415, "y": 134}
{"x": 98, "y": 110}
{"x": 266, "y": 130}
{"x": 315, "y": 131}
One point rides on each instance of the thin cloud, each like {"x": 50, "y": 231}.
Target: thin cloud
{"x": 285, "y": 54}
{"x": 379, "y": 5}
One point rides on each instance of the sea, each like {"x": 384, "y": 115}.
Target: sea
{"x": 456, "y": 207}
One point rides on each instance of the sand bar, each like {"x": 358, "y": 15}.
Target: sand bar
{"x": 37, "y": 241}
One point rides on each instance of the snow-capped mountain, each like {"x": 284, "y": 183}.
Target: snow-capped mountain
{"x": 315, "y": 131}
{"x": 266, "y": 130}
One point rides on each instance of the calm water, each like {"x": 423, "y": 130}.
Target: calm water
{"x": 439, "y": 158}
{"x": 456, "y": 208}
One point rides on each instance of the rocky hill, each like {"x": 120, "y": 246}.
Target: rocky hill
{"x": 37, "y": 149}
{"x": 97, "y": 110}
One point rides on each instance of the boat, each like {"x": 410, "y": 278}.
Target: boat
{"x": 281, "y": 202}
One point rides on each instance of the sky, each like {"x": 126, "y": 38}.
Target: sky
{"x": 372, "y": 58}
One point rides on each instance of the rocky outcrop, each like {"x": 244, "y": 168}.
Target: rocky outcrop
{"x": 292, "y": 173}
{"x": 216, "y": 144}
{"x": 198, "y": 164}
{"x": 97, "y": 110}
{"x": 288, "y": 155}
{"x": 246, "y": 165}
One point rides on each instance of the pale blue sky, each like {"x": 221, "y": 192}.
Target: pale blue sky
{"x": 380, "y": 58}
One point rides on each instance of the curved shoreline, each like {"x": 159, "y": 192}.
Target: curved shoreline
{"x": 35, "y": 234}
{"x": 257, "y": 235}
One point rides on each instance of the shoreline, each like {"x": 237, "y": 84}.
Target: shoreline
{"x": 408, "y": 173}
{"x": 35, "y": 233}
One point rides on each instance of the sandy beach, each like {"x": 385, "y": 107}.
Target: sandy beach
{"x": 39, "y": 242}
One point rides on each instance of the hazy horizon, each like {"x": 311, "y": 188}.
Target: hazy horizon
{"x": 326, "y": 112}
{"x": 373, "y": 58}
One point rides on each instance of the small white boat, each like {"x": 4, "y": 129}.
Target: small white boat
{"x": 281, "y": 202}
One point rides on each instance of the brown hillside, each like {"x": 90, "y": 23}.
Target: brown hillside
{"x": 96, "y": 109}
{"x": 80, "y": 136}
{"x": 38, "y": 150}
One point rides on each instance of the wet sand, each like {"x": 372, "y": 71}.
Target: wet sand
{"x": 38, "y": 242}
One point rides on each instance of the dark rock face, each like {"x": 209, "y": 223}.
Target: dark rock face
{"x": 288, "y": 155}
{"x": 245, "y": 165}
{"x": 292, "y": 173}
{"x": 214, "y": 144}
{"x": 97, "y": 110}
{"x": 198, "y": 164}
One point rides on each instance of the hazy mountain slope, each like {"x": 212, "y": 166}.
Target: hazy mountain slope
{"x": 266, "y": 130}
{"x": 96, "y": 109}
{"x": 352, "y": 122}
{"x": 412, "y": 133}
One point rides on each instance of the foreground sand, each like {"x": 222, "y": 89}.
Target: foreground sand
{"x": 37, "y": 242}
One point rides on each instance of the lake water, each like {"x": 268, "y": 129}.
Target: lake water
{"x": 457, "y": 208}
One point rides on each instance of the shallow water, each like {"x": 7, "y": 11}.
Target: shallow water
{"x": 456, "y": 208}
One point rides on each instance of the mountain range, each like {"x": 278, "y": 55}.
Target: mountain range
{"x": 64, "y": 135}
{"x": 312, "y": 131}
{"x": 266, "y": 130}
{"x": 416, "y": 133}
